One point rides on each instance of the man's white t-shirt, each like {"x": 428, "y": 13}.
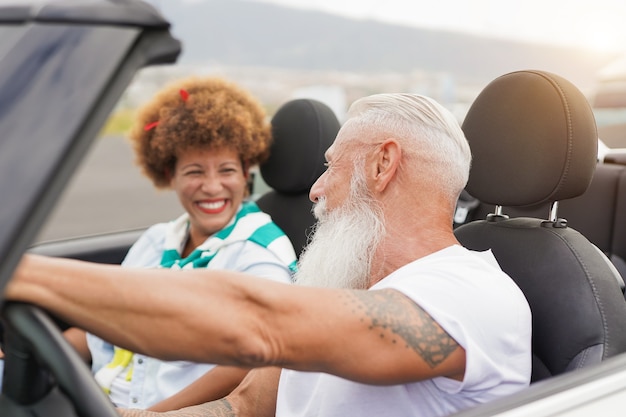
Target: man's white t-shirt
{"x": 477, "y": 304}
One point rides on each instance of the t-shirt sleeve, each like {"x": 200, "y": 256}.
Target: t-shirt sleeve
{"x": 486, "y": 314}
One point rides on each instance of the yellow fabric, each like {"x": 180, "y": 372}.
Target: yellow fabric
{"x": 122, "y": 358}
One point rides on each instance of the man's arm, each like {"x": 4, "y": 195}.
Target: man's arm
{"x": 213, "y": 385}
{"x": 255, "y": 397}
{"x": 230, "y": 318}
{"x": 219, "y": 408}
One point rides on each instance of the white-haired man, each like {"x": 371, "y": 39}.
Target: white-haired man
{"x": 392, "y": 316}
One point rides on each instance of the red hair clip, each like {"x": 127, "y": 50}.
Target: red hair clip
{"x": 183, "y": 95}
{"x": 150, "y": 126}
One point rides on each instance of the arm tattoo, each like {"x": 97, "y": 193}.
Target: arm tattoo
{"x": 220, "y": 408}
{"x": 391, "y": 311}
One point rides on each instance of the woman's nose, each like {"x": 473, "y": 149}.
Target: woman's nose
{"x": 211, "y": 184}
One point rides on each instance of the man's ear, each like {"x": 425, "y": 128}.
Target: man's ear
{"x": 386, "y": 161}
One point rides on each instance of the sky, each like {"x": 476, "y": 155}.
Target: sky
{"x": 599, "y": 24}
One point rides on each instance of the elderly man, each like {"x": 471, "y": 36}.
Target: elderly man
{"x": 392, "y": 316}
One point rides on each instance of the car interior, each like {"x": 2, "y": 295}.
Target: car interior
{"x": 599, "y": 213}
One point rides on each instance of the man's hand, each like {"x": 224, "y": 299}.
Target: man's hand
{"x": 220, "y": 408}
{"x": 255, "y": 396}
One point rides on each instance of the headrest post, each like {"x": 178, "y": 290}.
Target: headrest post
{"x": 497, "y": 215}
{"x": 554, "y": 208}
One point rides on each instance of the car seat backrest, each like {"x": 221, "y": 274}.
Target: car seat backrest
{"x": 534, "y": 143}
{"x": 618, "y": 238}
{"x": 599, "y": 214}
{"x": 303, "y": 130}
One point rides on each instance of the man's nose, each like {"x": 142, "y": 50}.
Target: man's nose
{"x": 317, "y": 189}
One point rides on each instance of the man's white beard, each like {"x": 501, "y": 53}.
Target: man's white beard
{"x": 340, "y": 253}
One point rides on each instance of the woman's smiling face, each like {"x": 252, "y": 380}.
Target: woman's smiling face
{"x": 211, "y": 185}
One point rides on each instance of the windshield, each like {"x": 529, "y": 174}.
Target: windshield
{"x": 9, "y": 35}
{"x": 52, "y": 104}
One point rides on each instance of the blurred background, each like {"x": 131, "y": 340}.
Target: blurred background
{"x": 339, "y": 50}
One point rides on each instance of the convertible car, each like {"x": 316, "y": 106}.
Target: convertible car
{"x": 64, "y": 65}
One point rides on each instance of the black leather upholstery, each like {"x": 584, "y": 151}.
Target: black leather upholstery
{"x": 533, "y": 138}
{"x": 534, "y": 141}
{"x": 303, "y": 130}
{"x": 599, "y": 214}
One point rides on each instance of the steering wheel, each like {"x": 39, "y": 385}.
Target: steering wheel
{"x": 43, "y": 374}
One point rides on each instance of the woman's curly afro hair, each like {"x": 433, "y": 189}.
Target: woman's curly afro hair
{"x": 196, "y": 112}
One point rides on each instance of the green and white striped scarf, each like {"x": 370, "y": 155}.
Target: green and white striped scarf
{"x": 250, "y": 223}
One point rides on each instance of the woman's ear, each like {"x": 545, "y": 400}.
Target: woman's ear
{"x": 387, "y": 159}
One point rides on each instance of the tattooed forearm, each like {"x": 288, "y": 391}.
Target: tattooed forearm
{"x": 220, "y": 408}
{"x": 390, "y": 311}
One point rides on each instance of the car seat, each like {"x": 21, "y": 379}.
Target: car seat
{"x": 534, "y": 141}
{"x": 599, "y": 214}
{"x": 303, "y": 130}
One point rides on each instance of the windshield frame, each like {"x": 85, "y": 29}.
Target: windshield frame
{"x": 53, "y": 102}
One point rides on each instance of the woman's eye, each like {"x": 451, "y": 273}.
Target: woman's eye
{"x": 193, "y": 173}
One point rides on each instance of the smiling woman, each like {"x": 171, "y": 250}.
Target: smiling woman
{"x": 211, "y": 185}
{"x": 198, "y": 137}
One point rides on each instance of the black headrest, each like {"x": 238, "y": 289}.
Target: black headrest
{"x": 303, "y": 129}
{"x": 533, "y": 138}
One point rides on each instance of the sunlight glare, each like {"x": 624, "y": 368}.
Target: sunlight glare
{"x": 591, "y": 24}
{"x": 604, "y": 33}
